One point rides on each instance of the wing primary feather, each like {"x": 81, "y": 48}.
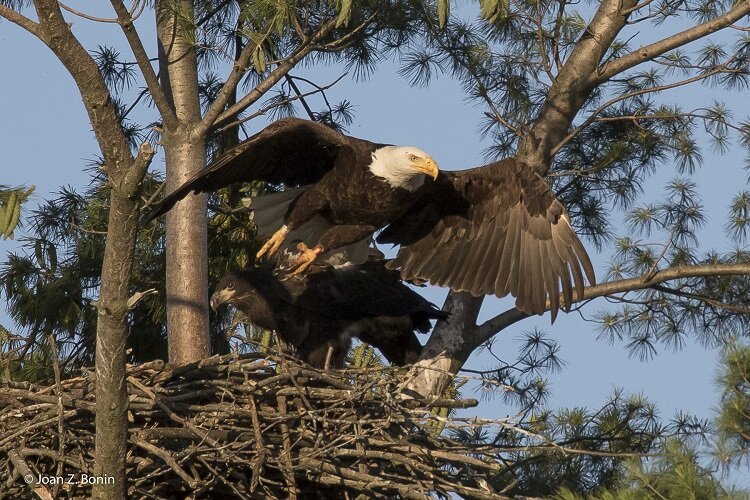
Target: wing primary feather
{"x": 550, "y": 278}
{"x": 507, "y": 234}
{"x": 486, "y": 274}
{"x": 538, "y": 290}
{"x": 522, "y": 280}
{"x": 583, "y": 258}
{"x": 566, "y": 284}
{"x": 463, "y": 260}
{"x": 445, "y": 264}
{"x": 502, "y": 282}
{"x": 575, "y": 268}
{"x": 533, "y": 284}
{"x": 515, "y": 268}
{"x": 578, "y": 277}
{"x": 480, "y": 256}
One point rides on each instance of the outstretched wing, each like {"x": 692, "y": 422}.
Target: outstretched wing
{"x": 511, "y": 236}
{"x": 290, "y": 151}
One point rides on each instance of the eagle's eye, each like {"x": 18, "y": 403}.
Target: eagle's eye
{"x": 413, "y": 157}
{"x": 230, "y": 285}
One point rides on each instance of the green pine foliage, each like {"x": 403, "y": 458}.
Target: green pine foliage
{"x": 508, "y": 59}
{"x": 675, "y": 473}
{"x": 364, "y": 356}
{"x": 51, "y": 284}
{"x": 733, "y": 419}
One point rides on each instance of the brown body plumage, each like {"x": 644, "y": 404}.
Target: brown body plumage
{"x": 327, "y": 307}
{"x": 496, "y": 229}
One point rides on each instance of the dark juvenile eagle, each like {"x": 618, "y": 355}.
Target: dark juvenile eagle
{"x": 496, "y": 229}
{"x": 326, "y": 307}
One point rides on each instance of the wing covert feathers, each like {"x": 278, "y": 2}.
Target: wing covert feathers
{"x": 515, "y": 238}
{"x": 290, "y": 151}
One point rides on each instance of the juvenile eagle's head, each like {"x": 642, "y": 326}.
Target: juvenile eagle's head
{"x": 247, "y": 291}
{"x": 228, "y": 291}
{"x": 403, "y": 166}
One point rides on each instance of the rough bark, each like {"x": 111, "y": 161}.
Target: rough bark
{"x": 449, "y": 347}
{"x": 187, "y": 248}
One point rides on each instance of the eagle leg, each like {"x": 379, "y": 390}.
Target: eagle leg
{"x": 273, "y": 243}
{"x": 305, "y": 259}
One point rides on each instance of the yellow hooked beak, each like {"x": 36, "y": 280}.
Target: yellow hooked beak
{"x": 427, "y": 166}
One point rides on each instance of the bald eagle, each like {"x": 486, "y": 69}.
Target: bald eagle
{"x": 328, "y": 306}
{"x": 495, "y": 229}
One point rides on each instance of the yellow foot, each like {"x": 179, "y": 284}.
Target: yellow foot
{"x": 273, "y": 243}
{"x": 306, "y": 257}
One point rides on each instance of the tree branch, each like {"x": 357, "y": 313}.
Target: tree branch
{"x": 653, "y": 50}
{"x": 20, "y": 20}
{"x": 227, "y": 90}
{"x": 494, "y": 325}
{"x": 276, "y": 75}
{"x": 87, "y": 16}
{"x": 125, "y": 21}
{"x": 130, "y": 183}
{"x": 55, "y": 32}
{"x": 702, "y": 298}
{"x": 615, "y": 100}
{"x": 299, "y": 97}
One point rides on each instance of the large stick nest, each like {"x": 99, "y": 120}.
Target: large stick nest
{"x": 241, "y": 426}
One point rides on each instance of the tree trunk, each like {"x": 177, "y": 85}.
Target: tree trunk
{"x": 187, "y": 248}
{"x": 111, "y": 334}
{"x": 573, "y": 85}
{"x": 187, "y": 264}
{"x": 452, "y": 341}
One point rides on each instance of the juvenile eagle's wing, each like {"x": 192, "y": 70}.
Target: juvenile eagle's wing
{"x": 379, "y": 308}
{"x": 510, "y": 236}
{"x": 359, "y": 291}
{"x": 290, "y": 151}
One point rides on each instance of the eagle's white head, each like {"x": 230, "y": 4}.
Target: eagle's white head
{"x": 403, "y": 166}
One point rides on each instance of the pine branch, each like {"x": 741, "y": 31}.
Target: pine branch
{"x": 20, "y": 20}
{"x": 643, "y": 54}
{"x": 283, "y": 68}
{"x": 125, "y": 20}
{"x": 502, "y": 321}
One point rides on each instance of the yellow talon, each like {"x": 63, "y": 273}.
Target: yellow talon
{"x": 273, "y": 243}
{"x": 306, "y": 258}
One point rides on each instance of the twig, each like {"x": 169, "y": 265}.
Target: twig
{"x": 60, "y": 409}
{"x": 29, "y": 477}
{"x": 259, "y": 447}
{"x": 172, "y": 415}
{"x": 168, "y": 459}
{"x": 286, "y": 455}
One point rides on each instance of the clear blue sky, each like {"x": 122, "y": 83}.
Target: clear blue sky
{"x": 46, "y": 139}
